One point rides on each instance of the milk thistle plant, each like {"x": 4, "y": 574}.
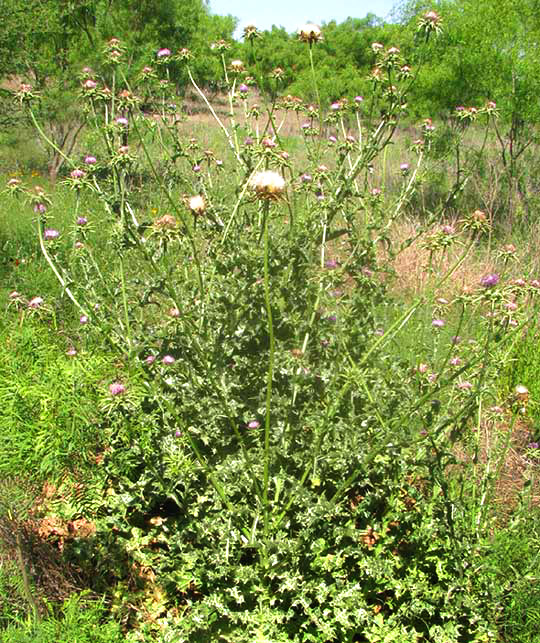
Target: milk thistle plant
{"x": 290, "y": 469}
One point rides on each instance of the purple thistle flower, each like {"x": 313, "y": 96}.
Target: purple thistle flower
{"x": 533, "y": 445}
{"x": 122, "y": 120}
{"x": 306, "y": 178}
{"x": 163, "y": 53}
{"x": 335, "y": 107}
{"x": 71, "y": 352}
{"x": 50, "y": 234}
{"x": 404, "y": 167}
{"x": 77, "y": 174}
{"x": 40, "y": 208}
{"x": 83, "y": 319}
{"x": 150, "y": 359}
{"x": 248, "y": 140}
{"x": 243, "y": 88}
{"x": 168, "y": 360}
{"x": 437, "y": 323}
{"x": 253, "y": 424}
{"x": 197, "y": 168}
{"x": 177, "y": 433}
{"x": 331, "y": 264}
{"x": 90, "y": 160}
{"x": 490, "y": 280}
{"x": 82, "y": 220}
{"x": 332, "y": 139}
{"x": 358, "y": 99}
{"x": 116, "y": 388}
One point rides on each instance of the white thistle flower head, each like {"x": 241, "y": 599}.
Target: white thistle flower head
{"x": 237, "y": 65}
{"x": 197, "y": 204}
{"x": 522, "y": 393}
{"x": 267, "y": 184}
{"x": 310, "y": 33}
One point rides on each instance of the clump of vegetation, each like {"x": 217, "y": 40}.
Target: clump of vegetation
{"x": 244, "y": 426}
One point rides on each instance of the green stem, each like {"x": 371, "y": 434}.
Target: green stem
{"x": 271, "y": 350}
{"x": 56, "y": 272}
{"x": 124, "y": 302}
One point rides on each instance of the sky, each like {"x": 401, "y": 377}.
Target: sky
{"x": 291, "y": 14}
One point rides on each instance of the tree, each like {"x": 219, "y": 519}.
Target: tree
{"x": 48, "y": 42}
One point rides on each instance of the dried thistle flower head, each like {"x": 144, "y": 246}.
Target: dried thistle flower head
{"x": 167, "y": 221}
{"x": 237, "y": 66}
{"x": 267, "y": 184}
{"x": 220, "y": 45}
{"x": 197, "y": 204}
{"x": 521, "y": 392}
{"x": 310, "y": 33}
{"x": 184, "y": 54}
{"x": 251, "y": 32}
{"x": 479, "y": 215}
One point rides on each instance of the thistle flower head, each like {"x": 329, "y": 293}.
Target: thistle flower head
{"x": 166, "y": 221}
{"x": 163, "y": 53}
{"x": 50, "y": 234}
{"x": 251, "y": 32}
{"x": 430, "y": 23}
{"x": 237, "y": 66}
{"x": 310, "y": 33}
{"x": 197, "y": 204}
{"x": 116, "y": 388}
{"x": 267, "y": 184}
{"x": 489, "y": 280}
{"x": 35, "y": 302}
